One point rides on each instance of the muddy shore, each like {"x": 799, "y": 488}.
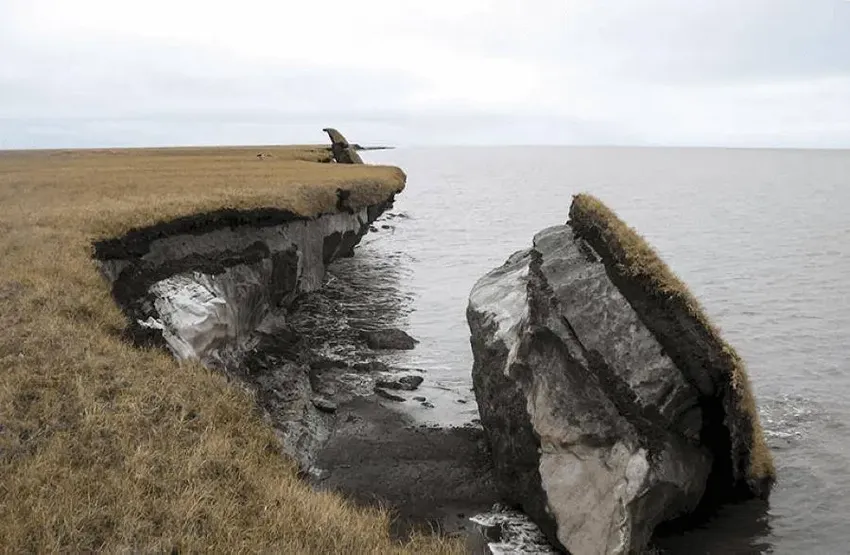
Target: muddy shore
{"x": 434, "y": 479}
{"x": 343, "y": 410}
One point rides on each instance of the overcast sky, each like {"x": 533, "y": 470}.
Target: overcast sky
{"x": 628, "y": 72}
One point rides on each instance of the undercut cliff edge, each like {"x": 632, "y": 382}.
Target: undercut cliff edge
{"x": 212, "y": 288}
{"x": 239, "y": 291}
{"x": 105, "y": 447}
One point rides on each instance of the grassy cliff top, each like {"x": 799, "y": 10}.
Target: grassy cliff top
{"x": 104, "y": 446}
{"x": 638, "y": 262}
{"x": 108, "y": 192}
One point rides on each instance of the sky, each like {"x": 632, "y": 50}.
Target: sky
{"x": 732, "y": 73}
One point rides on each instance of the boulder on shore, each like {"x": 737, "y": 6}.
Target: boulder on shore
{"x": 610, "y": 403}
{"x": 390, "y": 338}
{"x": 403, "y": 383}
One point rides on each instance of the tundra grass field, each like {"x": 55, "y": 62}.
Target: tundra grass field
{"x": 108, "y": 447}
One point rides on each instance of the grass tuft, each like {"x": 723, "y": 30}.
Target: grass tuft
{"x": 106, "y": 447}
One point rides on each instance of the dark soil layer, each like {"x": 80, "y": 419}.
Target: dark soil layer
{"x": 137, "y": 241}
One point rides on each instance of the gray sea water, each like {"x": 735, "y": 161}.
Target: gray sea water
{"x": 761, "y": 236}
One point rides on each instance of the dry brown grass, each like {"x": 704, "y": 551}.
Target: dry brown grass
{"x": 639, "y": 261}
{"x": 107, "y": 447}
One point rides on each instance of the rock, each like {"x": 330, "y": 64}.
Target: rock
{"x": 343, "y": 152}
{"x": 327, "y": 363}
{"x": 596, "y": 432}
{"x": 406, "y": 383}
{"x": 324, "y": 404}
{"x": 387, "y": 395}
{"x": 370, "y": 366}
{"x": 411, "y": 383}
{"x": 427, "y": 405}
{"x": 389, "y": 339}
{"x": 420, "y": 399}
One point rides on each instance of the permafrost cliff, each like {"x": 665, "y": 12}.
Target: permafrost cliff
{"x": 610, "y": 403}
{"x": 216, "y": 288}
{"x": 203, "y": 286}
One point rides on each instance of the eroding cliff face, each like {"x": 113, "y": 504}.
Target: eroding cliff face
{"x": 216, "y": 288}
{"x": 205, "y": 292}
{"x": 594, "y": 431}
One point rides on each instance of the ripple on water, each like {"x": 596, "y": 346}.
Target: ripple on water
{"x": 762, "y": 238}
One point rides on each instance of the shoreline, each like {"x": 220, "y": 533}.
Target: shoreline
{"x": 101, "y": 439}
{"x": 285, "y": 336}
{"x": 301, "y": 380}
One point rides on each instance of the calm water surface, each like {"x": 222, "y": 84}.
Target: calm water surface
{"x": 761, "y": 236}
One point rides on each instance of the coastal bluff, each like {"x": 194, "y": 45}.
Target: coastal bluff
{"x": 610, "y": 403}
{"x": 105, "y": 446}
{"x": 216, "y": 287}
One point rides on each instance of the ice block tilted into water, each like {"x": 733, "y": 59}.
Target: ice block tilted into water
{"x": 610, "y": 402}
{"x": 343, "y": 152}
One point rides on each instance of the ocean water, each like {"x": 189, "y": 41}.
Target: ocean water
{"x": 762, "y": 237}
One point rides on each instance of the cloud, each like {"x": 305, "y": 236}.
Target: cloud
{"x": 761, "y": 72}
